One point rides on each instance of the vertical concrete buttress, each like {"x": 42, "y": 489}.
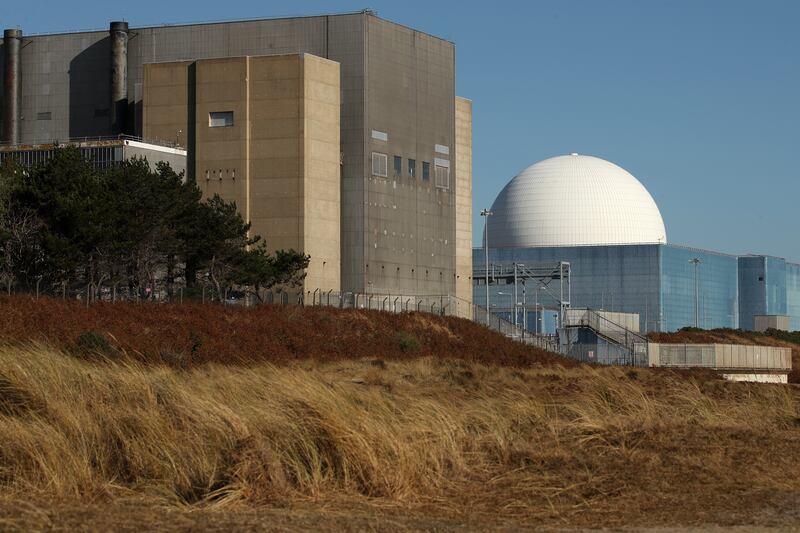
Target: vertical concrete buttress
{"x": 119, "y": 76}
{"x": 12, "y": 40}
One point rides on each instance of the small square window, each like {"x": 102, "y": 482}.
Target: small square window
{"x": 412, "y": 168}
{"x": 379, "y": 164}
{"x": 398, "y": 165}
{"x": 220, "y": 119}
{"x": 426, "y": 171}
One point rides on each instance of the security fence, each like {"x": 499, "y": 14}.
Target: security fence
{"x": 443, "y": 305}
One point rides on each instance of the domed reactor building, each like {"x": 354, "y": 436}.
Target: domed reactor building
{"x": 579, "y": 232}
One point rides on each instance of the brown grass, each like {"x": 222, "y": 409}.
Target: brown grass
{"x": 550, "y": 445}
{"x": 192, "y": 334}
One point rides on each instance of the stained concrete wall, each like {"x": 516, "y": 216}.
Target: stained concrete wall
{"x": 409, "y": 232}
{"x": 765, "y": 322}
{"x": 278, "y": 160}
{"x": 463, "y": 192}
{"x": 321, "y": 171}
{"x": 721, "y": 356}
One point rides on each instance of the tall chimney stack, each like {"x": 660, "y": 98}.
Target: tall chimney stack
{"x": 119, "y": 76}
{"x": 12, "y": 40}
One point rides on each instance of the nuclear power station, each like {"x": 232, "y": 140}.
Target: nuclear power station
{"x": 340, "y": 136}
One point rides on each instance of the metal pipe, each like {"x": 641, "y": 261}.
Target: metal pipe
{"x": 119, "y": 76}
{"x": 12, "y": 40}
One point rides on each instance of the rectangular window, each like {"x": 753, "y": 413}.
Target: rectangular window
{"x": 426, "y": 171}
{"x": 379, "y": 164}
{"x": 442, "y": 177}
{"x": 220, "y": 119}
{"x": 398, "y": 165}
{"x": 412, "y": 168}
{"x": 46, "y": 115}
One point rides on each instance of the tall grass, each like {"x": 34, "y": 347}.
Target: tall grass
{"x": 550, "y": 441}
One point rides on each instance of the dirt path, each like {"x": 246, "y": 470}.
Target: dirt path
{"x": 137, "y": 517}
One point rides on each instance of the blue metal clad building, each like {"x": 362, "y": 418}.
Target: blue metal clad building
{"x": 793, "y": 295}
{"x": 654, "y": 280}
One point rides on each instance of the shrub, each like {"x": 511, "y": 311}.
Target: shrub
{"x": 92, "y": 344}
{"x": 407, "y": 342}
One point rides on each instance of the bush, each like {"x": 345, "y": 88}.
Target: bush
{"x": 407, "y": 342}
{"x": 93, "y": 344}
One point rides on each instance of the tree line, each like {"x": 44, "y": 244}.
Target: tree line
{"x": 128, "y": 232}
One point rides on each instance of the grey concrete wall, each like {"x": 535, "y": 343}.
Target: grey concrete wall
{"x": 410, "y": 223}
{"x": 721, "y": 356}
{"x": 65, "y": 87}
{"x": 765, "y": 322}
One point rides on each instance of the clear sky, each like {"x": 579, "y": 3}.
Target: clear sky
{"x": 698, "y": 99}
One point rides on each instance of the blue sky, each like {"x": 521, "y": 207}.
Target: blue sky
{"x": 698, "y": 99}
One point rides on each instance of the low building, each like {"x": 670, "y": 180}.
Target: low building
{"x": 101, "y": 153}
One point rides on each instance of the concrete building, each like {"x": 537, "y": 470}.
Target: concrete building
{"x": 598, "y": 218}
{"x": 254, "y": 99}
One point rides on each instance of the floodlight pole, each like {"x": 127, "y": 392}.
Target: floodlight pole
{"x": 696, "y": 262}
{"x": 486, "y": 213}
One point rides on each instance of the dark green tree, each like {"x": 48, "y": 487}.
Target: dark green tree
{"x": 128, "y": 232}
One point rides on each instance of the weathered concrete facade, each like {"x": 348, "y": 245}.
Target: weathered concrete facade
{"x": 463, "y": 192}
{"x": 398, "y": 230}
{"x": 277, "y": 158}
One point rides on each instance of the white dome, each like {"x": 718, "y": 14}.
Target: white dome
{"x": 574, "y": 200}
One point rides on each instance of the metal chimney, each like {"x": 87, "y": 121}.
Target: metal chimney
{"x": 119, "y": 76}
{"x": 12, "y": 40}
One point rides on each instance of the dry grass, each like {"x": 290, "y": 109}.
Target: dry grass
{"x": 559, "y": 446}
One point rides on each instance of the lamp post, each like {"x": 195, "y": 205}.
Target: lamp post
{"x": 696, "y": 262}
{"x": 516, "y": 298}
{"x": 486, "y": 213}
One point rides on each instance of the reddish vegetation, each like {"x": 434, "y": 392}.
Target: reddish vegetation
{"x": 190, "y": 334}
{"x": 732, "y": 336}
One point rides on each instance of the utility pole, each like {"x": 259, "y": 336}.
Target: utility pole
{"x": 524, "y": 309}
{"x": 486, "y": 213}
{"x": 536, "y": 307}
{"x": 696, "y": 262}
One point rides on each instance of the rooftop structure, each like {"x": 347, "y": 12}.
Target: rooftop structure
{"x": 101, "y": 152}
